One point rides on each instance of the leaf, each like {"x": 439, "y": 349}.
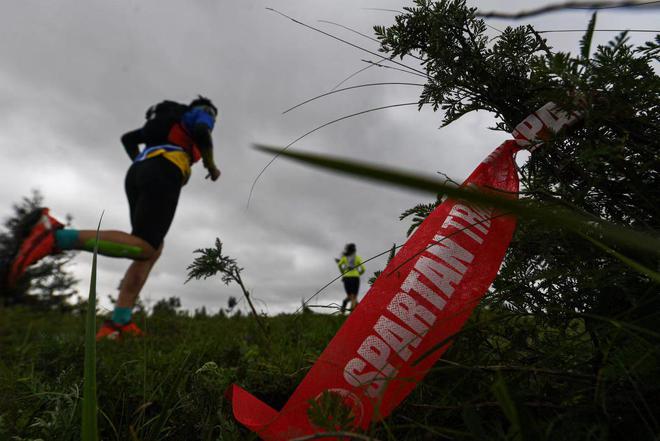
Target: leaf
{"x": 419, "y": 212}
{"x": 89, "y": 405}
{"x": 585, "y": 42}
{"x": 653, "y": 275}
{"x": 330, "y": 412}
{"x": 522, "y": 424}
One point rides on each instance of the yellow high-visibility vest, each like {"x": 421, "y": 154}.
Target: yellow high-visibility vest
{"x": 351, "y": 266}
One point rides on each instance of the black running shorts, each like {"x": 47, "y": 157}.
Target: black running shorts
{"x": 351, "y": 285}
{"x": 153, "y": 187}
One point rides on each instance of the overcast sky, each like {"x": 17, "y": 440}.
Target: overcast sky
{"x": 75, "y": 76}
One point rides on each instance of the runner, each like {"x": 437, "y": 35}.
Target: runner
{"x": 351, "y": 268}
{"x": 175, "y": 136}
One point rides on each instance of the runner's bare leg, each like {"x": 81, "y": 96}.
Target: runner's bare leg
{"x": 134, "y": 279}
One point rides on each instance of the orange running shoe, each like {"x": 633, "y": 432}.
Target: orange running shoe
{"x": 131, "y": 329}
{"x": 109, "y": 330}
{"x": 115, "y": 331}
{"x": 37, "y": 242}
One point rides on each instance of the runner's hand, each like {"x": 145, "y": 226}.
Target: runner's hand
{"x": 214, "y": 174}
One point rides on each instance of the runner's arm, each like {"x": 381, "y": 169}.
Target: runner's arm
{"x": 131, "y": 142}
{"x": 342, "y": 264}
{"x": 202, "y": 137}
{"x": 360, "y": 265}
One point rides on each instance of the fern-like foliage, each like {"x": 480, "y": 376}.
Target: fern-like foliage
{"x": 211, "y": 261}
{"x": 377, "y": 273}
{"x": 418, "y": 213}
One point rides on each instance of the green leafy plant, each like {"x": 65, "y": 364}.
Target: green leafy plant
{"x": 210, "y": 262}
{"x": 330, "y": 412}
{"x": 390, "y": 256}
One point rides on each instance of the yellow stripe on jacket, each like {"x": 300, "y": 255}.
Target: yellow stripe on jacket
{"x": 178, "y": 158}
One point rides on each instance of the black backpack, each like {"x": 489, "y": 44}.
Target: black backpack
{"x": 160, "y": 119}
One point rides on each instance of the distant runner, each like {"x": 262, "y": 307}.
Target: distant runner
{"x": 175, "y": 137}
{"x": 351, "y": 268}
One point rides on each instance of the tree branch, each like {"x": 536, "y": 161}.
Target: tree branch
{"x": 568, "y": 5}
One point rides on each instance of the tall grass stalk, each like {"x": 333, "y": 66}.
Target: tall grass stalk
{"x": 553, "y": 216}
{"x": 89, "y": 407}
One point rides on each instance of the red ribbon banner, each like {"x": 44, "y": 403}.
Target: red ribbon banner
{"x": 422, "y": 298}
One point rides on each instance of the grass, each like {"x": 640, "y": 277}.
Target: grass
{"x": 168, "y": 385}
{"x": 90, "y": 405}
{"x": 504, "y": 377}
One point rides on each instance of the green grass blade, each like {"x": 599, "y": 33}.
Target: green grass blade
{"x": 521, "y": 428}
{"x": 89, "y": 407}
{"x": 653, "y": 275}
{"x": 553, "y": 216}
